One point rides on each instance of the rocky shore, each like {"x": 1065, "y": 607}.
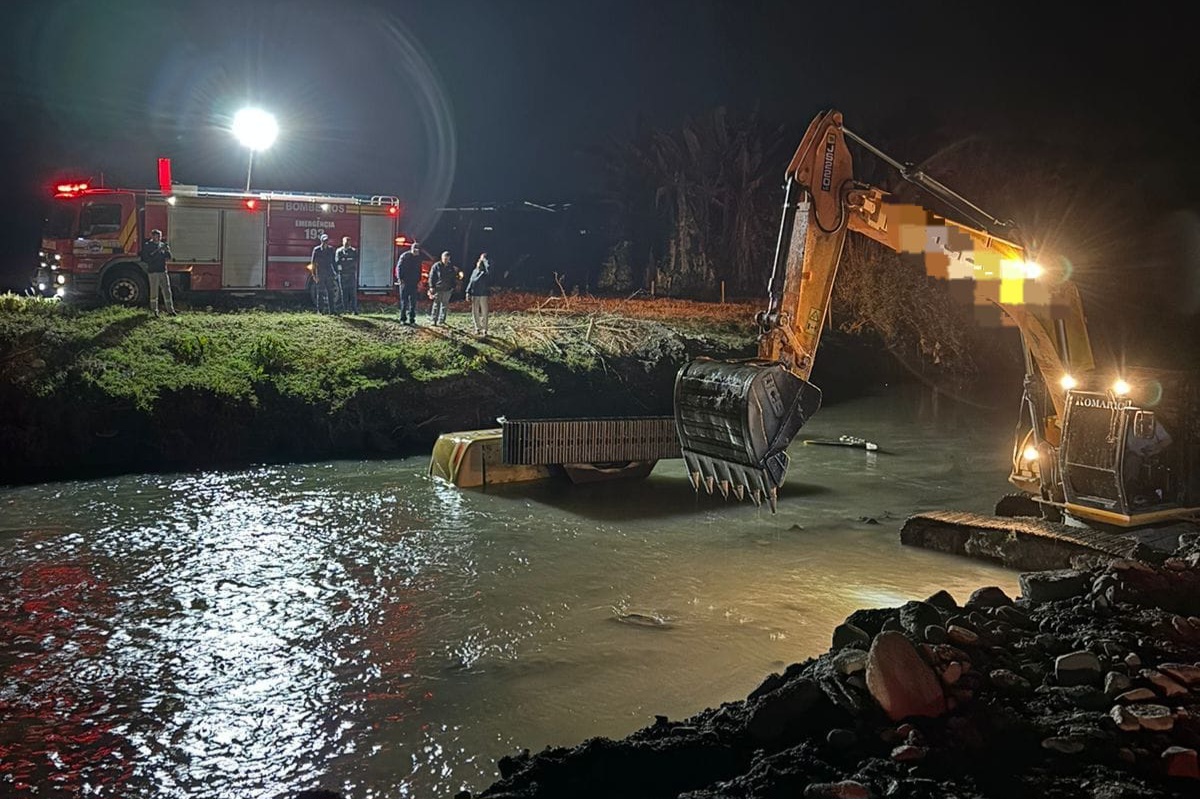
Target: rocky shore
{"x": 1086, "y": 686}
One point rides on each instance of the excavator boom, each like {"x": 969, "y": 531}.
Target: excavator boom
{"x": 735, "y": 419}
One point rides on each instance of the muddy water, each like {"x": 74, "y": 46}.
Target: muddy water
{"x": 358, "y": 627}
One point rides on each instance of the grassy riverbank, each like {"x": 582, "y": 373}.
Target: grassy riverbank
{"x": 116, "y": 389}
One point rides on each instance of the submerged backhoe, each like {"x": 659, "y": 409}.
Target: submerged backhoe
{"x": 735, "y": 419}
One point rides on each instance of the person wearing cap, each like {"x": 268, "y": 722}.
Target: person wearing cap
{"x": 346, "y": 259}
{"x": 408, "y": 276}
{"x": 324, "y": 275}
{"x": 442, "y": 279}
{"x": 154, "y": 254}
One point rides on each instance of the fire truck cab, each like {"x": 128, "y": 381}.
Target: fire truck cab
{"x": 223, "y": 241}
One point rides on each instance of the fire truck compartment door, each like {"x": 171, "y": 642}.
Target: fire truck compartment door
{"x": 243, "y": 250}
{"x": 375, "y": 252}
{"x": 194, "y": 234}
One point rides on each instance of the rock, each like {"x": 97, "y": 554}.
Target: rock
{"x": 1168, "y": 687}
{"x": 942, "y": 599}
{"x": 846, "y": 789}
{"x": 989, "y": 597}
{"x": 935, "y": 634}
{"x": 908, "y": 753}
{"x": 1126, "y": 721}
{"x": 846, "y": 739}
{"x": 952, "y": 673}
{"x": 1077, "y": 668}
{"x": 1009, "y": 682}
{"x": 1116, "y": 683}
{"x": 1181, "y": 762}
{"x": 1137, "y": 695}
{"x": 850, "y": 661}
{"x": 961, "y": 636}
{"x": 1053, "y": 586}
{"x": 1188, "y": 675}
{"x": 1065, "y": 745}
{"x": 916, "y": 616}
{"x": 1015, "y": 617}
{"x": 1155, "y": 718}
{"x": 1133, "y": 661}
{"x": 775, "y": 711}
{"x": 900, "y": 681}
{"x": 847, "y": 634}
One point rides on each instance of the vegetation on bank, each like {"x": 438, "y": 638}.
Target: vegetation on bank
{"x": 111, "y": 389}
{"x": 130, "y": 355}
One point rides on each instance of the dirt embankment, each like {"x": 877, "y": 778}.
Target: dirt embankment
{"x": 1085, "y": 687}
{"x": 117, "y": 390}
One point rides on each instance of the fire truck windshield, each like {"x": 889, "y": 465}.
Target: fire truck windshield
{"x": 61, "y": 222}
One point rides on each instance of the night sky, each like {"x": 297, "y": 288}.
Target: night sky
{"x": 461, "y": 101}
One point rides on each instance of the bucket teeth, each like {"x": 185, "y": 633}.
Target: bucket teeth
{"x": 773, "y": 496}
{"x": 709, "y": 483}
{"x": 695, "y": 478}
{"x": 739, "y": 491}
{"x": 725, "y": 488}
{"x": 756, "y": 495}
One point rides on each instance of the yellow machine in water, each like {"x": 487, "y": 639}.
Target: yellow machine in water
{"x": 1093, "y": 444}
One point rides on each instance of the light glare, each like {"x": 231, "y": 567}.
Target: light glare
{"x": 255, "y": 128}
{"x": 1068, "y": 382}
{"x": 1120, "y": 387}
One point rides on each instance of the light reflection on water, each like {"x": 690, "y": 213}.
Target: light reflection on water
{"x": 358, "y": 627}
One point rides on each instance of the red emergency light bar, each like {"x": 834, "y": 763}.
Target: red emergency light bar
{"x": 393, "y": 209}
{"x": 68, "y": 189}
{"x": 251, "y": 203}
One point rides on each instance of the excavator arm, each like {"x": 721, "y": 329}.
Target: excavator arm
{"x": 736, "y": 419}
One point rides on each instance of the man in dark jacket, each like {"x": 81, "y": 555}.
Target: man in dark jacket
{"x": 326, "y": 291}
{"x": 442, "y": 279}
{"x": 154, "y": 254}
{"x": 478, "y": 289}
{"x": 408, "y": 276}
{"x": 346, "y": 259}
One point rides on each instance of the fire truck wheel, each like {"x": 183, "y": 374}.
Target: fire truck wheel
{"x": 125, "y": 285}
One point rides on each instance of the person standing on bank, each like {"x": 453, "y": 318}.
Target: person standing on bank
{"x": 154, "y": 254}
{"x": 346, "y": 259}
{"x": 442, "y": 279}
{"x": 408, "y": 276}
{"x": 324, "y": 272}
{"x": 478, "y": 289}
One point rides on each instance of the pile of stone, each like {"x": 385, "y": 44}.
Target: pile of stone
{"x": 1087, "y": 685}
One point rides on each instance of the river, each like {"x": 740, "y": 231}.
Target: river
{"x": 359, "y": 627}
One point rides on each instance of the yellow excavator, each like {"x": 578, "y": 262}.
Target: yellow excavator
{"x": 1091, "y": 444}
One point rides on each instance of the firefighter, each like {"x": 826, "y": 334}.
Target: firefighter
{"x": 154, "y": 254}
{"x": 325, "y": 280}
{"x": 346, "y": 259}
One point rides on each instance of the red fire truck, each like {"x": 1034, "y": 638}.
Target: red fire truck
{"x": 223, "y": 241}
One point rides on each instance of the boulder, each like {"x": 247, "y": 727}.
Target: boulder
{"x": 1053, "y": 586}
{"x": 1077, "y": 668}
{"x": 900, "y": 681}
{"x": 989, "y": 597}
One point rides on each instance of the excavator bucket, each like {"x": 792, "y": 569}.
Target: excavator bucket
{"x": 735, "y": 420}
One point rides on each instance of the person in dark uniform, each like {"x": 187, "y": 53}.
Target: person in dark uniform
{"x": 408, "y": 276}
{"x": 346, "y": 259}
{"x": 154, "y": 254}
{"x": 326, "y": 292}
